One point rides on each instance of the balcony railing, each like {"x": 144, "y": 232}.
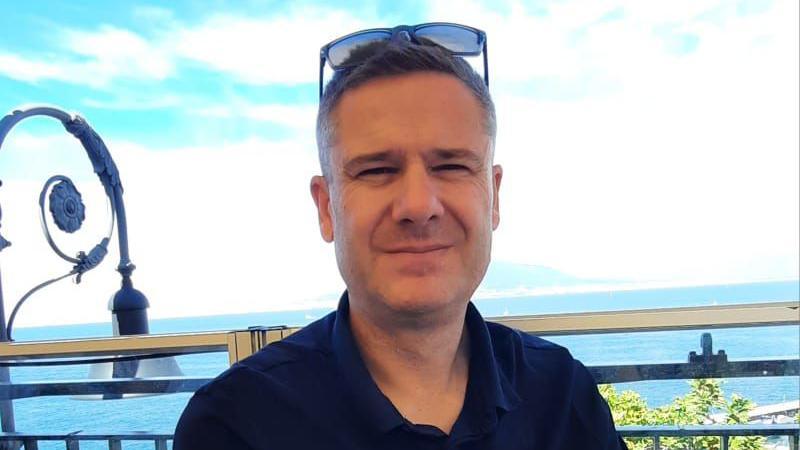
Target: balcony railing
{"x": 72, "y": 441}
{"x": 242, "y": 343}
{"x": 723, "y": 432}
{"x": 655, "y": 433}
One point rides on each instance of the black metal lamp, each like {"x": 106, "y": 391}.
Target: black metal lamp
{"x": 128, "y": 305}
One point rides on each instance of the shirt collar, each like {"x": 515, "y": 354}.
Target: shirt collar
{"x": 489, "y": 393}
{"x": 373, "y": 406}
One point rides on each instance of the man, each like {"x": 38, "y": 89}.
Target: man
{"x": 409, "y": 197}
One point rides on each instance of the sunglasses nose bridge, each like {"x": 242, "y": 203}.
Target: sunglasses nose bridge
{"x": 402, "y": 35}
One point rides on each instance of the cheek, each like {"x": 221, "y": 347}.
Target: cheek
{"x": 358, "y": 216}
{"x": 471, "y": 206}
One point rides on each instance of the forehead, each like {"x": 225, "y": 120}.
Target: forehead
{"x": 411, "y": 112}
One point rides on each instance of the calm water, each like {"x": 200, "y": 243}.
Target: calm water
{"x": 159, "y": 413}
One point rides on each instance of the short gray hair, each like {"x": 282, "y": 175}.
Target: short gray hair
{"x": 397, "y": 59}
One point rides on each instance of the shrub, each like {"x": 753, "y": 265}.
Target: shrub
{"x": 704, "y": 398}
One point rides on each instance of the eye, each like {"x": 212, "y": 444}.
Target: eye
{"x": 377, "y": 171}
{"x": 450, "y": 168}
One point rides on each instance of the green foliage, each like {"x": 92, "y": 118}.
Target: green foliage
{"x": 736, "y": 412}
{"x": 695, "y": 408}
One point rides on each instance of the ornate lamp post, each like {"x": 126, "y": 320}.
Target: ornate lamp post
{"x": 128, "y": 305}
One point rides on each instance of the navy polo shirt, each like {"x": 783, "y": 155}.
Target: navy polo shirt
{"x": 313, "y": 391}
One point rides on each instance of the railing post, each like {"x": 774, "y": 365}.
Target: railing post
{"x": 72, "y": 444}
{"x": 724, "y": 440}
{"x": 793, "y": 441}
{"x": 161, "y": 444}
{"x": 6, "y": 406}
{"x": 244, "y": 343}
{"x": 114, "y": 444}
{"x": 656, "y": 442}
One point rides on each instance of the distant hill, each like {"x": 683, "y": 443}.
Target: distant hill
{"x": 502, "y": 276}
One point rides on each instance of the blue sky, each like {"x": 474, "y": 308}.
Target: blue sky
{"x": 654, "y": 142}
{"x": 151, "y": 102}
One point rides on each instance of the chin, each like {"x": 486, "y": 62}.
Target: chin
{"x": 423, "y": 296}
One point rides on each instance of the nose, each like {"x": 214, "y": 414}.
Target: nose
{"x": 417, "y": 200}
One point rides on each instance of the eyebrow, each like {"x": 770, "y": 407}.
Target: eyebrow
{"x": 361, "y": 160}
{"x": 458, "y": 153}
{"x": 394, "y": 155}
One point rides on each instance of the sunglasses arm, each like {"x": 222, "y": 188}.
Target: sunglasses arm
{"x": 485, "y": 63}
{"x": 321, "y": 71}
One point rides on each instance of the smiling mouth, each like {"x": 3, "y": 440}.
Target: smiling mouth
{"x": 418, "y": 249}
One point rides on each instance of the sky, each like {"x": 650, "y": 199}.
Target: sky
{"x": 642, "y": 141}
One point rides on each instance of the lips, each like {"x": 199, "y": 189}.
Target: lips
{"x": 418, "y": 260}
{"x": 418, "y": 249}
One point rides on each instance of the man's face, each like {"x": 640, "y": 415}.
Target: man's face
{"x": 412, "y": 197}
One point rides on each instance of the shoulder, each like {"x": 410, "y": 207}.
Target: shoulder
{"x": 537, "y": 359}
{"x": 288, "y": 359}
{"x": 546, "y": 376}
{"x": 277, "y": 378}
{"x": 532, "y": 365}
{"x": 307, "y": 344}
{"x": 512, "y": 343}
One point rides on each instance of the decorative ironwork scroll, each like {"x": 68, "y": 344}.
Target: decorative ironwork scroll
{"x": 67, "y": 209}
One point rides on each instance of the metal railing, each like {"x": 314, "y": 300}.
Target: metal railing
{"x": 72, "y": 441}
{"x": 653, "y": 433}
{"x": 243, "y": 343}
{"x": 723, "y": 432}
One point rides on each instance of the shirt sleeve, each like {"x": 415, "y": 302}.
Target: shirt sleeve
{"x": 199, "y": 428}
{"x": 593, "y": 410}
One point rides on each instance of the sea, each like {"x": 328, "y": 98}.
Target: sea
{"x": 160, "y": 413}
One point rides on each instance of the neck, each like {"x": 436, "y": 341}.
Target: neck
{"x": 421, "y": 367}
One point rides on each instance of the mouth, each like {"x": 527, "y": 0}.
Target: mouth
{"x": 417, "y": 249}
{"x": 418, "y": 260}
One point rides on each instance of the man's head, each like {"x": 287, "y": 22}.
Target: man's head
{"x": 409, "y": 194}
{"x": 396, "y": 58}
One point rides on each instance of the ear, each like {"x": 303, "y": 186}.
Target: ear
{"x": 322, "y": 198}
{"x": 497, "y": 177}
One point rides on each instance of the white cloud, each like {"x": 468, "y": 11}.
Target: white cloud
{"x": 603, "y": 189}
{"x": 23, "y": 69}
{"x": 277, "y": 49}
{"x": 26, "y": 157}
{"x": 136, "y": 102}
{"x": 300, "y": 118}
{"x": 255, "y": 50}
{"x": 114, "y": 52}
{"x": 152, "y": 14}
{"x": 688, "y": 171}
{"x": 218, "y": 229}
{"x": 571, "y": 43}
{"x": 571, "y": 39}
{"x": 92, "y": 58}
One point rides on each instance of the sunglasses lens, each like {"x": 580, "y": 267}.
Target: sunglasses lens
{"x": 456, "y": 39}
{"x": 356, "y": 49}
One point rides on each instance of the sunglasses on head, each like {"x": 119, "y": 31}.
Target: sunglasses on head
{"x": 355, "y": 48}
